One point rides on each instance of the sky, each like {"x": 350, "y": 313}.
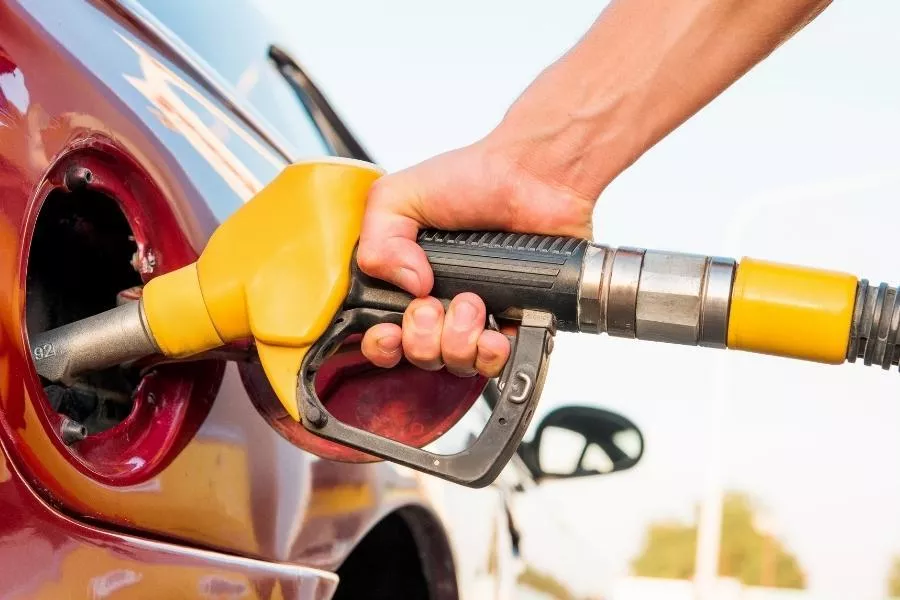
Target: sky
{"x": 798, "y": 162}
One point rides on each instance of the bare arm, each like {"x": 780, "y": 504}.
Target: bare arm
{"x": 642, "y": 69}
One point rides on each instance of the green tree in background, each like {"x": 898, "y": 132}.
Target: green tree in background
{"x": 746, "y": 553}
{"x": 544, "y": 583}
{"x": 669, "y": 552}
{"x": 893, "y": 583}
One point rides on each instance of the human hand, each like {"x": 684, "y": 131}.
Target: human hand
{"x": 583, "y": 121}
{"x": 478, "y": 187}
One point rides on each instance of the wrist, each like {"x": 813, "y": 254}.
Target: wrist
{"x": 565, "y": 142}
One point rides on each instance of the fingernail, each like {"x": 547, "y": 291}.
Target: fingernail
{"x": 407, "y": 279}
{"x": 463, "y": 317}
{"x": 464, "y": 374}
{"x": 425, "y": 317}
{"x": 388, "y": 344}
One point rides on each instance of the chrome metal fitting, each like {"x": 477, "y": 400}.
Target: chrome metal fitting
{"x": 71, "y": 431}
{"x": 654, "y": 295}
{"x": 622, "y": 292}
{"x": 590, "y": 309}
{"x": 875, "y": 329}
{"x": 116, "y": 336}
{"x": 718, "y": 283}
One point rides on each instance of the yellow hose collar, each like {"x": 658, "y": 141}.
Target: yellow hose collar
{"x": 791, "y": 311}
{"x": 177, "y": 315}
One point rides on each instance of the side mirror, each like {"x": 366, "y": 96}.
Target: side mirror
{"x": 581, "y": 441}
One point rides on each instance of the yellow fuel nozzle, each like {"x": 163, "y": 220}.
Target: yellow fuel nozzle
{"x": 280, "y": 269}
{"x": 275, "y": 271}
{"x": 281, "y": 272}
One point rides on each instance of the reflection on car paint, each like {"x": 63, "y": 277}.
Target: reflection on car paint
{"x": 237, "y": 485}
{"x": 197, "y": 30}
{"x": 158, "y": 85}
{"x": 12, "y": 86}
{"x": 44, "y": 555}
{"x": 182, "y": 116}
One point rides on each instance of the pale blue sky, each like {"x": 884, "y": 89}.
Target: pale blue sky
{"x": 800, "y": 161}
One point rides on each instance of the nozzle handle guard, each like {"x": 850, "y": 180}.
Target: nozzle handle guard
{"x": 478, "y": 465}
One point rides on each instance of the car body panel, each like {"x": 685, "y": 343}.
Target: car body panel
{"x": 45, "y": 555}
{"x": 237, "y": 485}
{"x": 208, "y": 124}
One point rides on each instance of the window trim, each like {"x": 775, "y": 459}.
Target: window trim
{"x": 203, "y": 74}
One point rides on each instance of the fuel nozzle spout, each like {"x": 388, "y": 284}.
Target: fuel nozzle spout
{"x": 113, "y": 337}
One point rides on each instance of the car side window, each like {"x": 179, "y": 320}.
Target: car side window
{"x": 243, "y": 63}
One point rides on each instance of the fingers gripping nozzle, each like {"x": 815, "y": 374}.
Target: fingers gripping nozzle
{"x": 476, "y": 466}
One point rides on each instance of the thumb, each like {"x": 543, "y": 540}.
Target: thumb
{"x": 387, "y": 241}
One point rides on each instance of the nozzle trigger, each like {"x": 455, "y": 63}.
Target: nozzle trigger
{"x": 478, "y": 465}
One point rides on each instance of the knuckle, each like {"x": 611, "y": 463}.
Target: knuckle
{"x": 386, "y": 193}
{"x": 369, "y": 257}
{"x": 380, "y": 190}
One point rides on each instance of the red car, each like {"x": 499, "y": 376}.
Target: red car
{"x": 128, "y": 131}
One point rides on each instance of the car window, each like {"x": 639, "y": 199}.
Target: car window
{"x": 234, "y": 42}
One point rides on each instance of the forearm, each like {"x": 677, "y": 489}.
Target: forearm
{"x": 643, "y": 68}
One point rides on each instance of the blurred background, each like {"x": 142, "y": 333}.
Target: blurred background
{"x": 786, "y": 474}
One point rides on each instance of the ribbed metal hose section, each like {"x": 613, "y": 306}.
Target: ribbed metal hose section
{"x": 875, "y": 331}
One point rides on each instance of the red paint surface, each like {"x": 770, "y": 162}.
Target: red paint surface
{"x": 44, "y": 555}
{"x": 171, "y": 401}
{"x": 199, "y": 475}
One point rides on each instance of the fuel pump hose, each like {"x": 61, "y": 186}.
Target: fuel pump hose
{"x": 754, "y": 305}
{"x": 281, "y": 273}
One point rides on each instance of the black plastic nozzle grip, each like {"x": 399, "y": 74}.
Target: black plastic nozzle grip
{"x": 511, "y": 272}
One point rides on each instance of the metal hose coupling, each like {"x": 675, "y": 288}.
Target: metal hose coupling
{"x": 875, "y": 329}
{"x": 655, "y": 295}
{"x": 756, "y": 306}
